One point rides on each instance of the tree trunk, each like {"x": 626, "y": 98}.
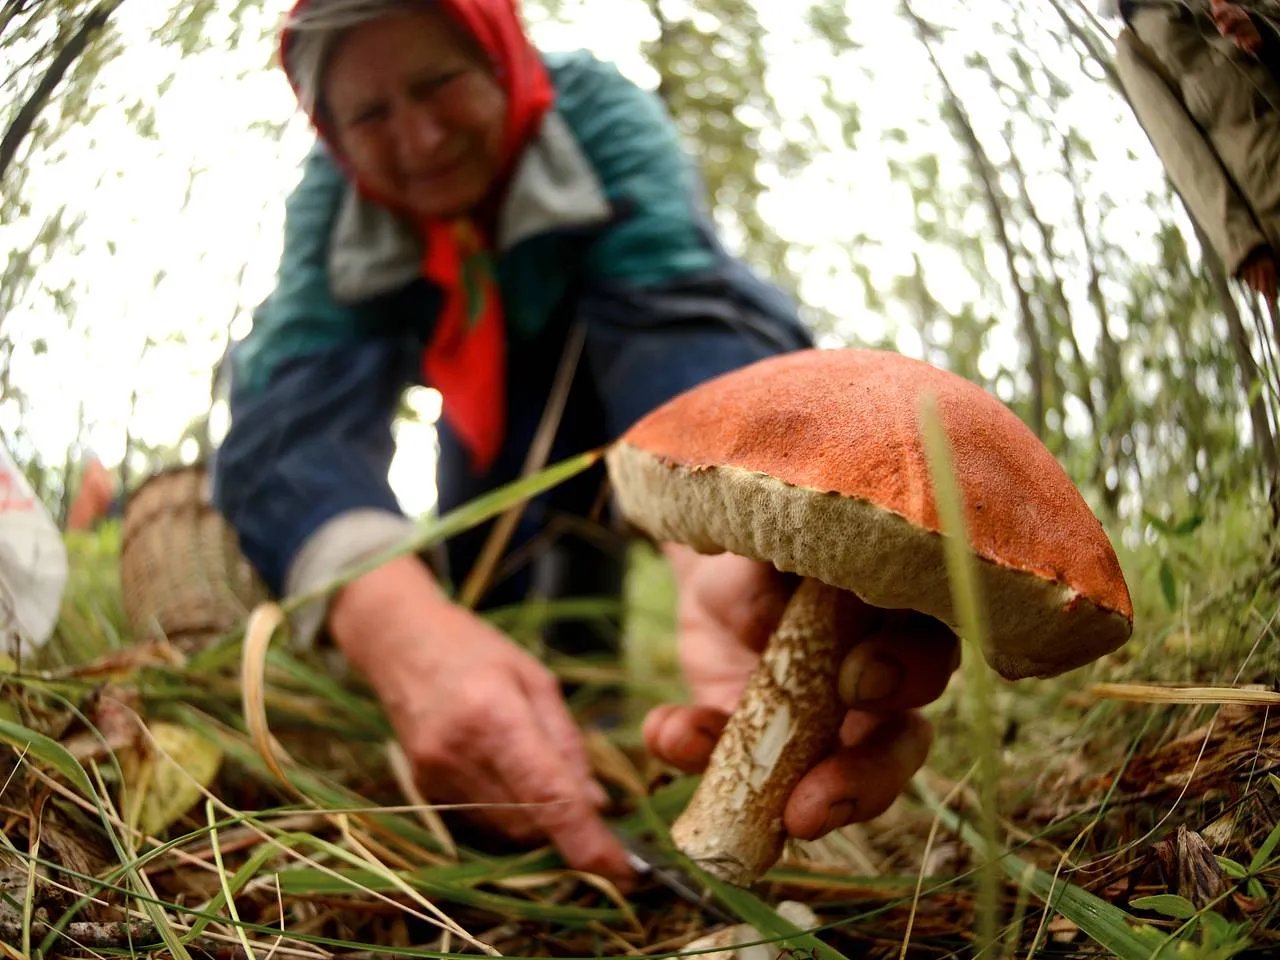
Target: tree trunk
{"x": 1090, "y": 41}
{"x": 67, "y": 55}
{"x": 997, "y": 207}
{"x": 1268, "y": 365}
{"x": 1108, "y": 349}
{"x": 1192, "y": 409}
{"x": 1058, "y": 304}
{"x": 1273, "y": 307}
{"x": 1079, "y": 365}
{"x": 68, "y": 470}
{"x": 10, "y": 10}
{"x": 1264, "y": 323}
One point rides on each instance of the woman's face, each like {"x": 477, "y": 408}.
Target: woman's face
{"x": 416, "y": 112}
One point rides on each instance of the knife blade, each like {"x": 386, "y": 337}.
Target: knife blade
{"x": 648, "y": 861}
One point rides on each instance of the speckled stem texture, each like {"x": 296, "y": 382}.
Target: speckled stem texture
{"x": 787, "y": 720}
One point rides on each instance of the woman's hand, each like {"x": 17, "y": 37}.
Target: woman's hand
{"x": 1259, "y": 272}
{"x": 1234, "y": 22}
{"x": 728, "y": 607}
{"x": 480, "y": 720}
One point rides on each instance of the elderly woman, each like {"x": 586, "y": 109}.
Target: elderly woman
{"x": 471, "y": 208}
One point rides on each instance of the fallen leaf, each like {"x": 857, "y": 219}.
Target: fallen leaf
{"x": 121, "y": 664}
{"x": 1200, "y": 877}
{"x": 164, "y": 779}
{"x": 114, "y": 724}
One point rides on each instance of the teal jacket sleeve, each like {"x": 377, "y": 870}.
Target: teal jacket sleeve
{"x": 313, "y": 392}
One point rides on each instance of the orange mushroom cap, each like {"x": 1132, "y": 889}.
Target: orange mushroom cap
{"x": 815, "y": 461}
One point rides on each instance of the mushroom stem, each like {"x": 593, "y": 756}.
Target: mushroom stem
{"x": 787, "y": 720}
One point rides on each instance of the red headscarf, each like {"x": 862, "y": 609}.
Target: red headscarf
{"x": 466, "y": 358}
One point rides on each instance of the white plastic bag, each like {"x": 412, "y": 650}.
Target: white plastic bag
{"x": 33, "y": 563}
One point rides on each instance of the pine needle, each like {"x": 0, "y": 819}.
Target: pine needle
{"x": 1164, "y": 693}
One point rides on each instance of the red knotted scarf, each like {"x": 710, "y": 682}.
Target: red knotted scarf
{"x": 466, "y": 359}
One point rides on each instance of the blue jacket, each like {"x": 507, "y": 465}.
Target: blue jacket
{"x": 600, "y": 227}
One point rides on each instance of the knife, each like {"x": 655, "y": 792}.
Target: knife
{"x": 648, "y": 861}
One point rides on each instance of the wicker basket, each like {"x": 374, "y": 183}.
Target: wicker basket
{"x": 182, "y": 574}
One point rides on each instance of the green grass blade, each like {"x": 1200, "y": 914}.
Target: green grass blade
{"x": 240, "y": 879}
{"x": 663, "y": 805}
{"x": 1106, "y": 924}
{"x": 536, "y": 614}
{"x": 968, "y": 603}
{"x": 428, "y": 533}
{"x": 137, "y": 885}
{"x": 469, "y": 515}
{"x": 50, "y": 752}
{"x": 1265, "y": 851}
{"x": 1168, "y": 904}
{"x": 764, "y": 918}
{"x": 325, "y": 793}
{"x": 333, "y": 694}
{"x": 305, "y": 881}
{"x": 29, "y": 899}
{"x": 224, "y": 886}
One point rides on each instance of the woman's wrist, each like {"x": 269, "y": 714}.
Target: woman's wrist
{"x": 392, "y": 605}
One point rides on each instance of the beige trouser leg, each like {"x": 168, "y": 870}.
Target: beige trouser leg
{"x": 1232, "y": 97}
{"x": 1192, "y": 164}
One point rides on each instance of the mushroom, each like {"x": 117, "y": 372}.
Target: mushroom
{"x": 814, "y": 462}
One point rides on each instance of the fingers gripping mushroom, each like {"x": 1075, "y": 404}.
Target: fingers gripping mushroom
{"x": 814, "y": 461}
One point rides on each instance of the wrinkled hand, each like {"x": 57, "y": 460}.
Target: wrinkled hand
{"x": 1234, "y": 22}
{"x": 728, "y": 608}
{"x": 1260, "y": 273}
{"x": 480, "y": 720}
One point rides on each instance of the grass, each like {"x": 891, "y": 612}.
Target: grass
{"x": 1118, "y": 828}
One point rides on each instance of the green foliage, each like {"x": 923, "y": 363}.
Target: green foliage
{"x": 713, "y": 73}
{"x": 1069, "y": 282}
{"x": 1030, "y": 240}
{"x": 1204, "y": 588}
{"x": 47, "y": 751}
{"x": 58, "y": 62}
{"x": 1167, "y": 904}
{"x": 1215, "y": 937}
{"x": 1140, "y": 384}
{"x": 92, "y": 621}
{"x": 1171, "y": 537}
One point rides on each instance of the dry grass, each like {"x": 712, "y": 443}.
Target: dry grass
{"x": 1167, "y": 813}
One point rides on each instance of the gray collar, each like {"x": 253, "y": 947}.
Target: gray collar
{"x": 374, "y": 252}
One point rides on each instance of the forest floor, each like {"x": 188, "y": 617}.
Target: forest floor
{"x": 141, "y": 818}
